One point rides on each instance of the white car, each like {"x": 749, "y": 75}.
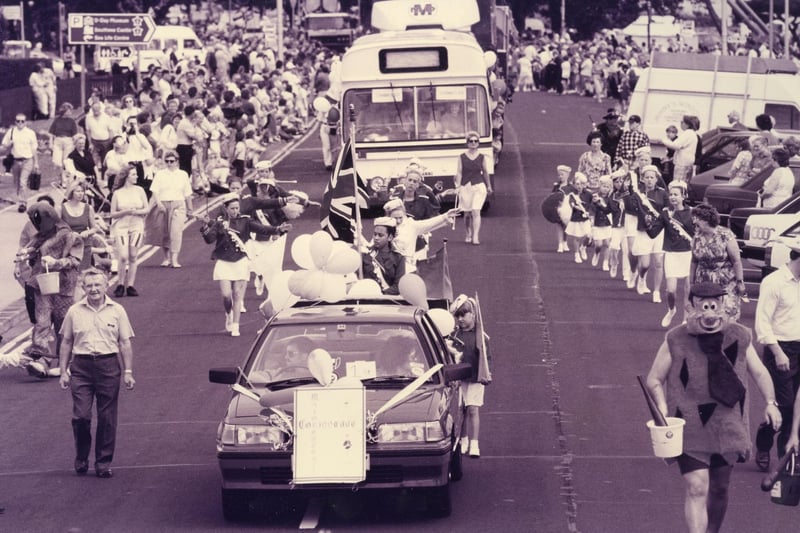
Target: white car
{"x": 760, "y": 230}
{"x": 777, "y": 252}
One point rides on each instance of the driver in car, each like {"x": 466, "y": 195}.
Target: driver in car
{"x": 294, "y": 362}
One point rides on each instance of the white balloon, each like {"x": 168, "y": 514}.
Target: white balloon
{"x": 321, "y": 104}
{"x": 297, "y": 282}
{"x": 320, "y": 364}
{"x": 301, "y": 253}
{"x": 279, "y": 293}
{"x": 343, "y": 261}
{"x": 320, "y": 248}
{"x": 489, "y": 58}
{"x": 443, "y": 319}
{"x": 333, "y": 288}
{"x": 413, "y": 290}
{"x": 312, "y": 289}
{"x": 364, "y": 288}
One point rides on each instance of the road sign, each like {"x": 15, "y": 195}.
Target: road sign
{"x": 115, "y": 52}
{"x": 110, "y": 28}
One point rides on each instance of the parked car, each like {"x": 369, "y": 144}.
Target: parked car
{"x": 726, "y": 197}
{"x": 721, "y": 145}
{"x": 761, "y": 230}
{"x": 385, "y": 344}
{"x": 777, "y": 253}
{"x": 746, "y": 226}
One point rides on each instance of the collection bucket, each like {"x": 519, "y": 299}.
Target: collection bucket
{"x": 48, "y": 283}
{"x": 667, "y": 440}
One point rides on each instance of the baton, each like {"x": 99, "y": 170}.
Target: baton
{"x": 285, "y": 181}
{"x": 770, "y": 479}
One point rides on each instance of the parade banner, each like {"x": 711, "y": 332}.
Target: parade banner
{"x": 329, "y": 429}
{"x": 337, "y": 213}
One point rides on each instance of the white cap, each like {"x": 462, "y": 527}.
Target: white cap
{"x": 394, "y": 203}
{"x": 642, "y": 150}
{"x": 264, "y": 164}
{"x": 563, "y": 168}
{"x": 389, "y": 222}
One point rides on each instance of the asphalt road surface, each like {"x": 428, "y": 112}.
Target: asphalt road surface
{"x": 563, "y": 438}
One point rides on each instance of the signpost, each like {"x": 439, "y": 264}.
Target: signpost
{"x": 111, "y": 29}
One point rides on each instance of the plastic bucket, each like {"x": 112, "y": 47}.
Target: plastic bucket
{"x": 48, "y": 283}
{"x": 667, "y": 440}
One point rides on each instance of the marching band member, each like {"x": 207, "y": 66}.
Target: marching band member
{"x": 564, "y": 186}
{"x": 676, "y": 221}
{"x": 579, "y": 228}
{"x": 229, "y": 232}
{"x": 381, "y": 263}
{"x": 618, "y": 243}
{"x": 603, "y": 208}
{"x": 651, "y": 200}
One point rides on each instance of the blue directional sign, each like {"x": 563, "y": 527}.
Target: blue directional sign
{"x": 110, "y": 28}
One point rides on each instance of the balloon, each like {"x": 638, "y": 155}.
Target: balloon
{"x": 320, "y": 364}
{"x": 364, "y": 288}
{"x": 333, "y": 288}
{"x": 312, "y": 288}
{"x": 297, "y": 280}
{"x": 489, "y": 58}
{"x": 343, "y": 261}
{"x": 301, "y": 253}
{"x": 321, "y": 104}
{"x": 320, "y": 248}
{"x": 413, "y": 290}
{"x": 333, "y": 115}
{"x": 444, "y": 321}
{"x": 280, "y": 297}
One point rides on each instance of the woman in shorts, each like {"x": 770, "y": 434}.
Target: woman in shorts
{"x": 678, "y": 229}
{"x": 129, "y": 207}
{"x": 473, "y": 185}
{"x": 618, "y": 244}
{"x": 579, "y": 227}
{"x": 649, "y": 250}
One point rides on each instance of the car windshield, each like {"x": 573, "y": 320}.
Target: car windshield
{"x": 358, "y": 350}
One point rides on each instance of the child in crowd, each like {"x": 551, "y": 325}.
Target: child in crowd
{"x": 676, "y": 222}
{"x": 579, "y": 228}
{"x": 603, "y": 207}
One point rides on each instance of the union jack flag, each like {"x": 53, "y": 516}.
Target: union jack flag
{"x": 337, "y": 213}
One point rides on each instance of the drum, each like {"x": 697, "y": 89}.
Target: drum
{"x": 553, "y": 208}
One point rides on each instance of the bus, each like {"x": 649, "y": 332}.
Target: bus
{"x": 416, "y": 88}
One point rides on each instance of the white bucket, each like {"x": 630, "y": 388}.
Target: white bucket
{"x": 667, "y": 440}
{"x": 48, "y": 283}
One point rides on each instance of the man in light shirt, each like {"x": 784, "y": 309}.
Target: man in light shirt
{"x": 100, "y": 128}
{"x": 777, "y": 328}
{"x": 22, "y": 143}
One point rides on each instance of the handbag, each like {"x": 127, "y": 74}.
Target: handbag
{"x": 786, "y": 490}
{"x": 8, "y": 162}
{"x": 34, "y": 181}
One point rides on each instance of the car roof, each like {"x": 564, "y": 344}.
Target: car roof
{"x": 348, "y": 311}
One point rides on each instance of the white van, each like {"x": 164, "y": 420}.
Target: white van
{"x": 183, "y": 40}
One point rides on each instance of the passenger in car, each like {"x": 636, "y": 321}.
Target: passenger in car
{"x": 381, "y": 263}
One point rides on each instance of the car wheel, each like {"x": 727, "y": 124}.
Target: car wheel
{"x": 456, "y": 467}
{"x": 235, "y": 504}
{"x": 439, "y": 501}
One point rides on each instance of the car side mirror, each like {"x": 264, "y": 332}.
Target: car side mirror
{"x": 457, "y": 372}
{"x": 227, "y": 375}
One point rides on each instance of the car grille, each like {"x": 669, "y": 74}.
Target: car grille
{"x": 376, "y": 474}
{"x": 761, "y": 234}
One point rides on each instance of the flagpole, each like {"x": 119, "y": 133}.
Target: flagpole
{"x": 356, "y": 207}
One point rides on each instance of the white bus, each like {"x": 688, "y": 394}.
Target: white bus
{"x": 417, "y": 87}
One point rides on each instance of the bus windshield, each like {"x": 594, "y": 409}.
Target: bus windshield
{"x": 418, "y": 113}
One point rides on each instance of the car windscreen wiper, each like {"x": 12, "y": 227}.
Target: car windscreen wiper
{"x": 282, "y": 383}
{"x": 396, "y": 378}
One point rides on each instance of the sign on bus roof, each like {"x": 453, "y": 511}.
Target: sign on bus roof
{"x": 399, "y": 15}
{"x": 110, "y": 28}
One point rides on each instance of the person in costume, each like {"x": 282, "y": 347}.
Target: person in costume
{"x": 579, "y": 227}
{"x": 465, "y": 338}
{"x": 54, "y": 248}
{"x": 676, "y": 223}
{"x": 408, "y": 229}
{"x": 700, "y": 374}
{"x": 603, "y": 209}
{"x": 650, "y": 200}
{"x": 618, "y": 244}
{"x": 563, "y": 186}
{"x": 381, "y": 263}
{"x": 229, "y": 232}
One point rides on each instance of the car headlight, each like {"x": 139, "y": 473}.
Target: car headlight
{"x": 410, "y": 432}
{"x": 247, "y": 435}
{"x": 377, "y": 183}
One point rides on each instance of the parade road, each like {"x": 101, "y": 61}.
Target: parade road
{"x": 563, "y": 438}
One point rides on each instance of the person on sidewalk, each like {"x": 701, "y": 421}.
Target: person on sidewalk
{"x": 776, "y": 325}
{"x": 23, "y": 145}
{"x": 96, "y": 349}
{"x": 701, "y": 374}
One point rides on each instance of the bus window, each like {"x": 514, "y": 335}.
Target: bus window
{"x": 448, "y": 112}
{"x": 383, "y": 114}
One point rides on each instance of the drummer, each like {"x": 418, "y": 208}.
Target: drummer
{"x": 563, "y": 186}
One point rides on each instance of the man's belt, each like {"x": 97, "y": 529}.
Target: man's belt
{"x": 96, "y": 355}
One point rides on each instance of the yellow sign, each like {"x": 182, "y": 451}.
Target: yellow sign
{"x": 329, "y": 435}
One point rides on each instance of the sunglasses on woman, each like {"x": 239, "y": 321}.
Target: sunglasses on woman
{"x": 473, "y": 140}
